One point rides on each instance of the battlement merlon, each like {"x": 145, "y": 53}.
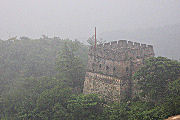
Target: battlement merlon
{"x": 136, "y": 45}
{"x": 130, "y": 44}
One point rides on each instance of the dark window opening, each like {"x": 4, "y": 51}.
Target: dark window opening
{"x": 127, "y": 69}
{"x": 100, "y": 66}
{"x": 114, "y": 69}
{"x": 138, "y": 57}
{"x": 107, "y": 67}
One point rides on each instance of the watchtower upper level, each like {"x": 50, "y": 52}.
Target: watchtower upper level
{"x": 122, "y": 50}
{"x": 117, "y": 58}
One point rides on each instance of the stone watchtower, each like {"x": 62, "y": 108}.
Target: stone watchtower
{"x": 111, "y": 66}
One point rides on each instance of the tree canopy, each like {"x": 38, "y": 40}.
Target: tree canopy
{"x": 155, "y": 78}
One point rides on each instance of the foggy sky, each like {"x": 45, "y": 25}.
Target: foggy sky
{"x": 77, "y": 18}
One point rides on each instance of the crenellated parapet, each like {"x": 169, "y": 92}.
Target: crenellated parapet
{"x": 124, "y": 44}
{"x": 122, "y": 50}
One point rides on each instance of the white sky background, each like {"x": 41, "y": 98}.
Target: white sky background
{"x": 77, "y": 18}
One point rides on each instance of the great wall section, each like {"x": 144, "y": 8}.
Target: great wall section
{"x": 111, "y": 66}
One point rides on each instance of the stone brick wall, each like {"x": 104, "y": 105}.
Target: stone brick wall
{"x": 112, "y": 62}
{"x": 104, "y": 85}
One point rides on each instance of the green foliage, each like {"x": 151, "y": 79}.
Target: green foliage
{"x": 155, "y": 76}
{"x": 70, "y": 65}
{"x": 21, "y": 102}
{"x": 116, "y": 111}
{"x": 29, "y": 87}
{"x": 85, "y": 107}
{"x": 159, "y": 84}
{"x": 50, "y": 101}
{"x": 144, "y": 111}
{"x": 171, "y": 106}
{"x": 174, "y": 87}
{"x": 27, "y": 57}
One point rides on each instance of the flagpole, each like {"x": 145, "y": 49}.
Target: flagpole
{"x": 95, "y": 39}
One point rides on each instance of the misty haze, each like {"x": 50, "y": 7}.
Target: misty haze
{"x": 89, "y": 60}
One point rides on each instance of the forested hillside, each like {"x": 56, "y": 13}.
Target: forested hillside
{"x": 42, "y": 79}
{"x": 25, "y": 57}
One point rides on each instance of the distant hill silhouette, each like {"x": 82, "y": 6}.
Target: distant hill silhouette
{"x": 166, "y": 40}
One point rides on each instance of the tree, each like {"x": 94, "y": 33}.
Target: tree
{"x": 116, "y": 111}
{"x": 171, "y": 104}
{"x": 155, "y": 76}
{"x": 51, "y": 104}
{"x": 29, "y": 87}
{"x": 71, "y": 66}
{"x": 91, "y": 40}
{"x": 85, "y": 107}
{"x": 141, "y": 110}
